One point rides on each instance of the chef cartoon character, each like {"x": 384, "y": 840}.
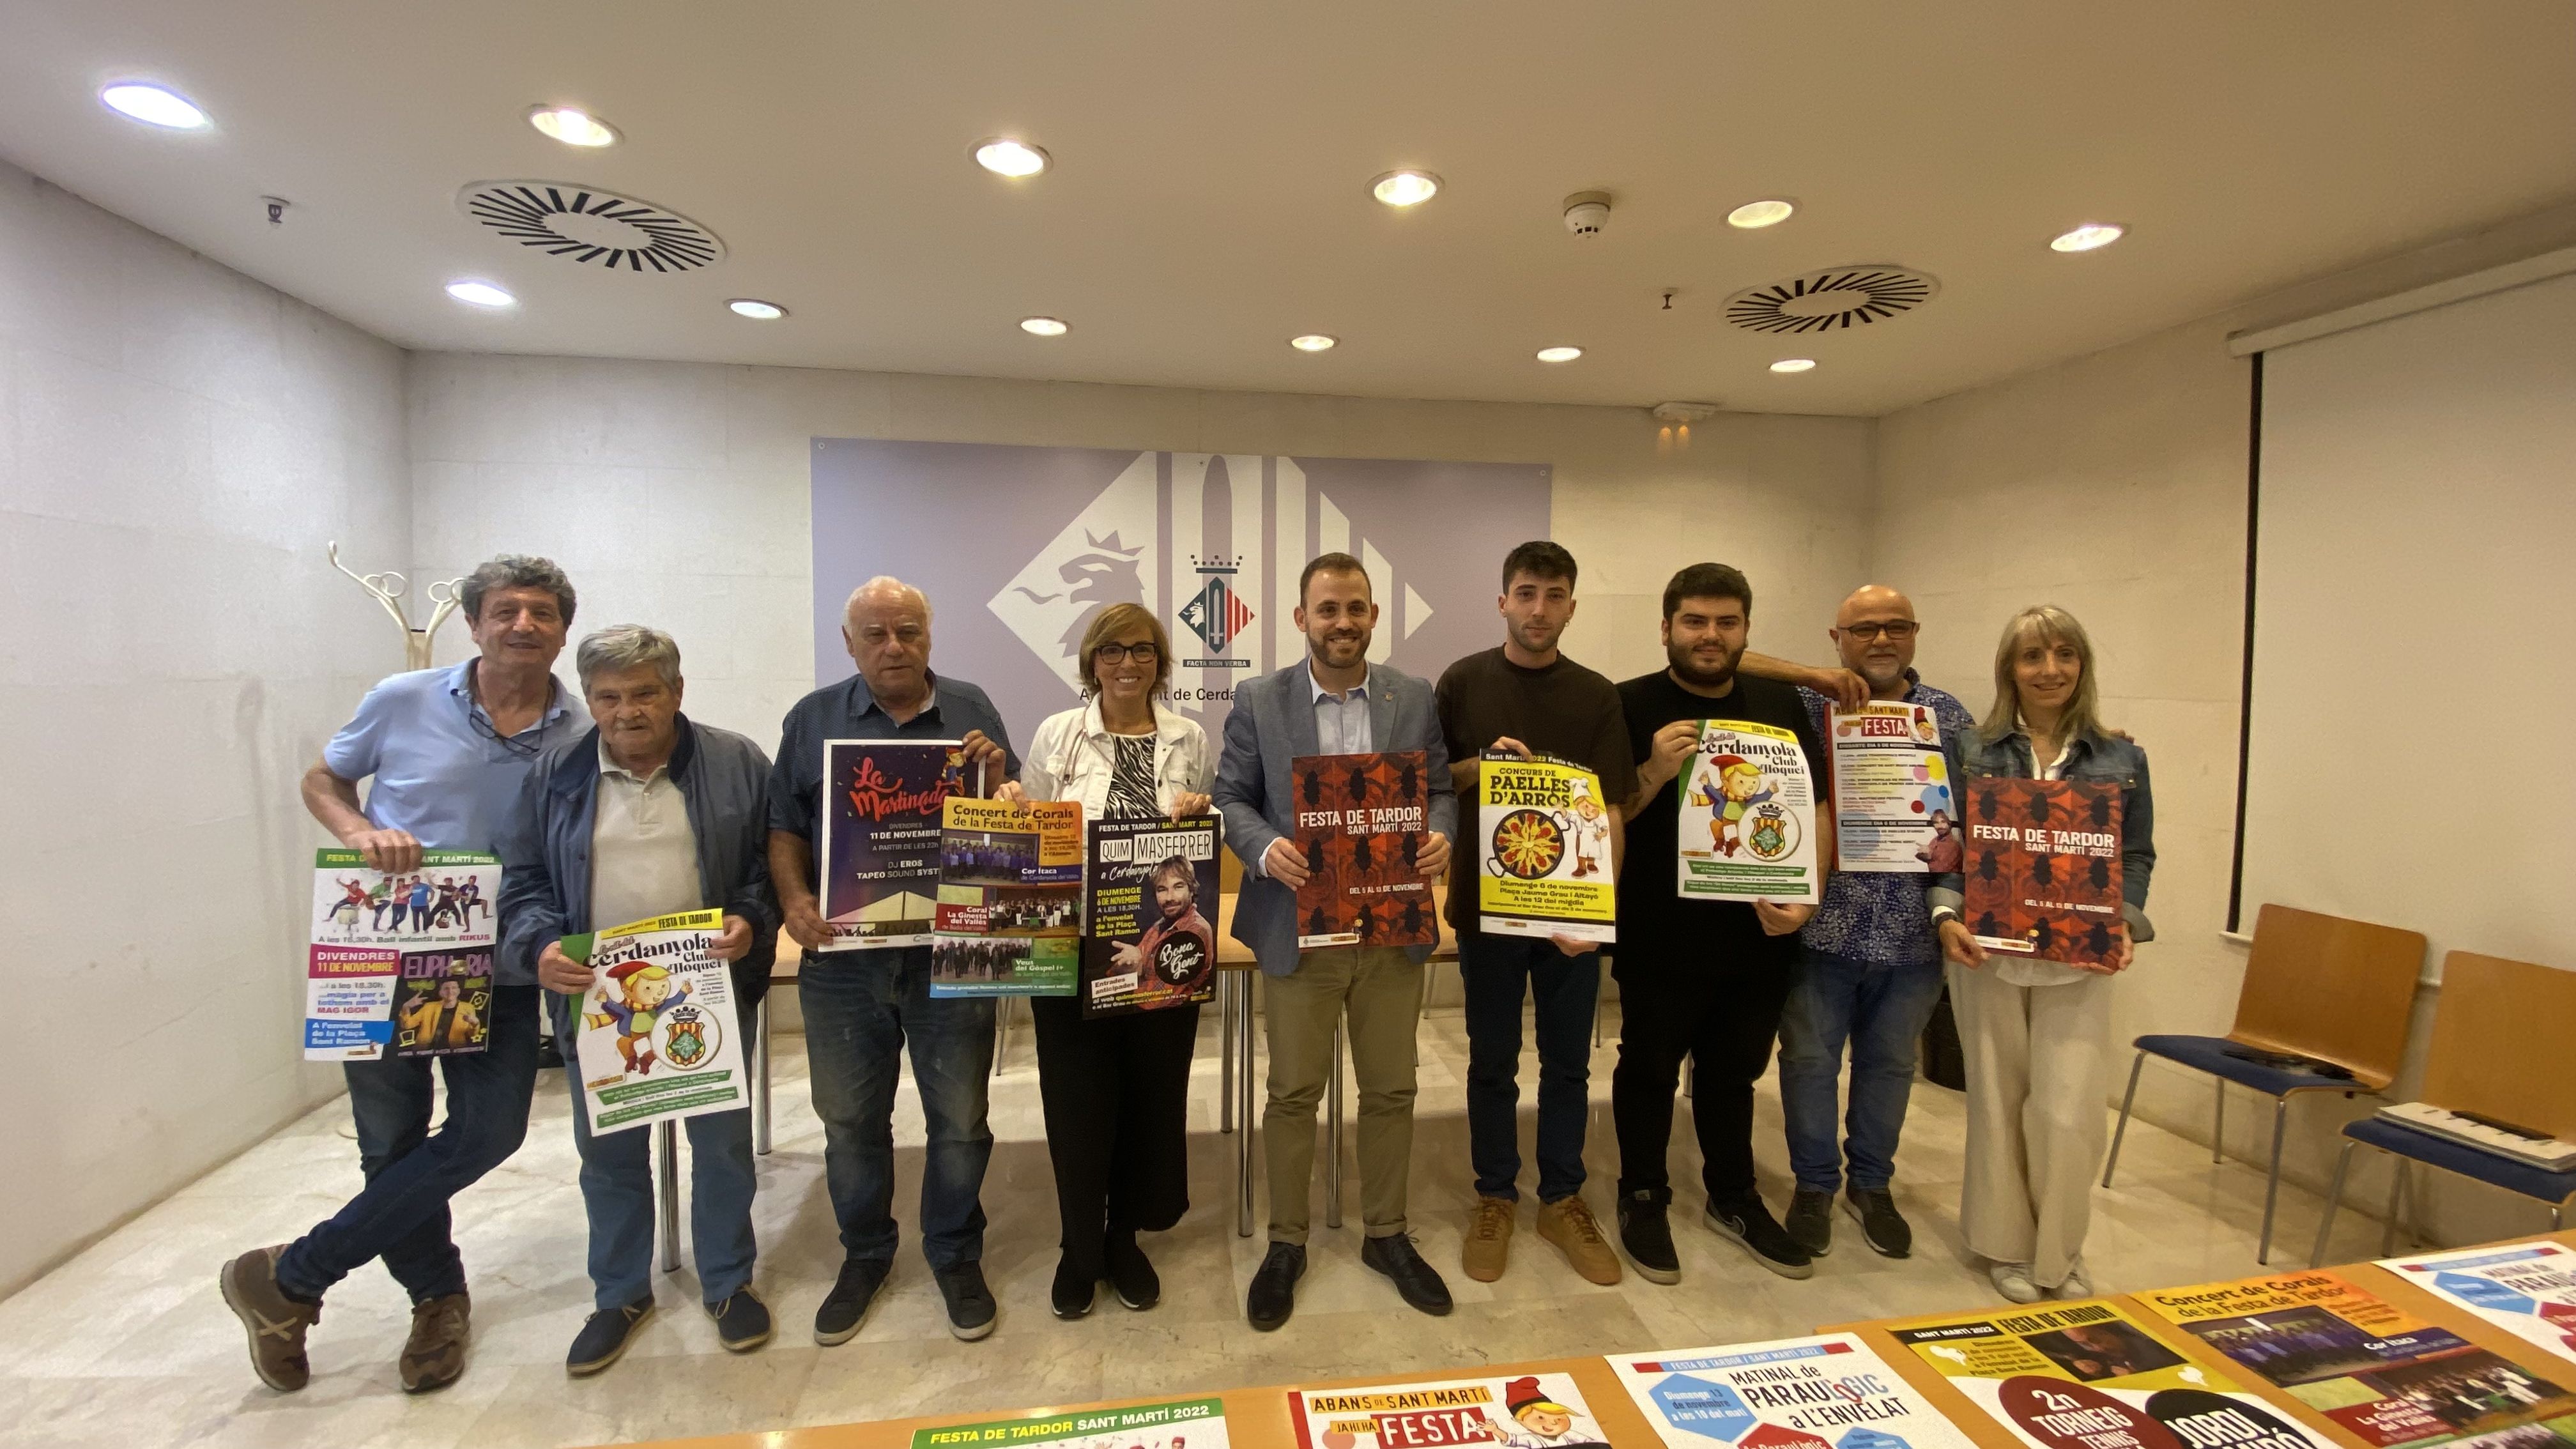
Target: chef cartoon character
{"x": 1588, "y": 832}
{"x": 1733, "y": 785}
{"x": 643, "y": 991}
{"x": 1542, "y": 1422}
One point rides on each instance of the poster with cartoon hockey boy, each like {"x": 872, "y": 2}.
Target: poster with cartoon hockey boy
{"x": 1748, "y": 817}
{"x": 657, "y": 1027}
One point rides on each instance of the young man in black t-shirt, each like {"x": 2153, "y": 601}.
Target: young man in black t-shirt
{"x": 1527, "y": 698}
{"x": 1699, "y": 979}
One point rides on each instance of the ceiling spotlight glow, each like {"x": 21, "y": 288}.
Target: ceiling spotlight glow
{"x": 572, "y": 125}
{"x": 756, "y": 309}
{"x": 480, "y": 294}
{"x": 1559, "y": 354}
{"x": 2092, "y": 236}
{"x": 153, "y": 105}
{"x": 1794, "y": 364}
{"x": 1313, "y": 342}
{"x": 1005, "y": 157}
{"x": 1754, "y": 215}
{"x": 1043, "y": 326}
{"x": 1405, "y": 188}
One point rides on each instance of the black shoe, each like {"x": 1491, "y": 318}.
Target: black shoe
{"x": 1131, "y": 1273}
{"x": 1647, "y": 1237}
{"x": 742, "y": 1321}
{"x": 1274, "y": 1286}
{"x": 837, "y": 1321}
{"x": 971, "y": 1309}
{"x": 1748, "y": 1224}
{"x": 1074, "y": 1286}
{"x": 1811, "y": 1221}
{"x": 603, "y": 1339}
{"x": 1418, "y": 1281}
{"x": 548, "y": 1054}
{"x": 1881, "y": 1225}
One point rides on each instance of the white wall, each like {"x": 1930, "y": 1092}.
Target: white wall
{"x": 177, "y": 443}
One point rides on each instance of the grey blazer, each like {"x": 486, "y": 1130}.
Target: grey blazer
{"x": 1273, "y": 722}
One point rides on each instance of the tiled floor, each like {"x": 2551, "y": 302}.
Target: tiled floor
{"x": 129, "y": 1345}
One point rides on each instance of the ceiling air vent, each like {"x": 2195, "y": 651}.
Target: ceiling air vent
{"x": 592, "y": 227}
{"x": 1834, "y": 297}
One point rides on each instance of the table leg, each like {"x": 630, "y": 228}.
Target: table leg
{"x": 666, "y": 1141}
{"x": 1229, "y": 992}
{"x": 760, "y": 1085}
{"x": 1243, "y": 1106}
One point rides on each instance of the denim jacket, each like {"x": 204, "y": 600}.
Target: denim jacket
{"x": 2107, "y": 759}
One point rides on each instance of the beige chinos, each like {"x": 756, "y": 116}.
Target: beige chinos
{"x": 2039, "y": 1071}
{"x": 1382, "y": 989}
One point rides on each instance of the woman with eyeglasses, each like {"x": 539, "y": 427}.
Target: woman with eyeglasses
{"x": 1116, "y": 1089}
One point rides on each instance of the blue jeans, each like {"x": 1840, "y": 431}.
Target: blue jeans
{"x": 1881, "y": 1010}
{"x": 1499, "y": 971}
{"x": 861, "y": 1009}
{"x": 401, "y": 1216}
{"x": 617, "y": 1192}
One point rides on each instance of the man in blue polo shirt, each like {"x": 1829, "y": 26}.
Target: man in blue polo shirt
{"x": 448, "y": 749}
{"x": 862, "y": 1008}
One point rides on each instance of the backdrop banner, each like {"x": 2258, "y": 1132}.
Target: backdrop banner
{"x": 1019, "y": 547}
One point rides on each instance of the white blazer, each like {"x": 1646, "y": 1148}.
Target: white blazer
{"x": 1071, "y": 758}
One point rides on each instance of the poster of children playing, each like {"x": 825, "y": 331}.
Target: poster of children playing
{"x": 399, "y": 964}
{"x": 658, "y": 1034}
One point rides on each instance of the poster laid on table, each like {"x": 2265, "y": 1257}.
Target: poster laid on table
{"x": 1178, "y": 1424}
{"x": 1010, "y": 898}
{"x": 1359, "y": 820}
{"x": 2384, "y": 1376}
{"x": 881, "y": 821}
{"x": 659, "y": 1034}
{"x": 2527, "y": 1289}
{"x": 1149, "y": 914}
{"x": 1533, "y": 1411}
{"x": 400, "y": 965}
{"x": 1545, "y": 837}
{"x": 1826, "y": 1392}
{"x": 2085, "y": 1375}
{"x": 1748, "y": 826}
{"x": 1893, "y": 810}
{"x": 2043, "y": 868}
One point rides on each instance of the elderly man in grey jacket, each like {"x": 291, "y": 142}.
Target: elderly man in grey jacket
{"x": 1333, "y": 702}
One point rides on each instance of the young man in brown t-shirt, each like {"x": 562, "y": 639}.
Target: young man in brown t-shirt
{"x": 1527, "y": 698}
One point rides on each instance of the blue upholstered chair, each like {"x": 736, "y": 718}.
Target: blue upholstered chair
{"x": 2318, "y": 987}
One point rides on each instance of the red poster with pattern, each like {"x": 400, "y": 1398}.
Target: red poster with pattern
{"x": 1359, "y": 820}
{"x": 2043, "y": 867}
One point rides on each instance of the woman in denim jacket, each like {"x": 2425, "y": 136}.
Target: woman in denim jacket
{"x": 2037, "y": 1034}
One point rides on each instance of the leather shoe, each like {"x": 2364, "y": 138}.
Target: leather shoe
{"x": 1419, "y": 1282}
{"x": 1274, "y": 1286}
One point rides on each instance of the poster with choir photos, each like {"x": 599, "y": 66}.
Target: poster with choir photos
{"x": 880, "y": 838}
{"x": 1149, "y": 915}
{"x": 1359, "y": 820}
{"x": 656, "y": 1030}
{"x": 1545, "y": 833}
{"x": 2526, "y": 1289}
{"x": 399, "y": 964}
{"x": 1530, "y": 1411}
{"x": 2043, "y": 869}
{"x": 1825, "y": 1392}
{"x": 1010, "y": 898}
{"x": 1893, "y": 807}
{"x": 1748, "y": 817}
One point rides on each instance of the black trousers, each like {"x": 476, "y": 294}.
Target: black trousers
{"x": 1723, "y": 1015}
{"x": 1117, "y": 1099}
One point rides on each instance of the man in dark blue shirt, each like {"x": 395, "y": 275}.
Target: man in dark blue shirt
{"x": 862, "y": 1007}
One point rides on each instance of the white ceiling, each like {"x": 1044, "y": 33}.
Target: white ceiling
{"x": 1209, "y": 198}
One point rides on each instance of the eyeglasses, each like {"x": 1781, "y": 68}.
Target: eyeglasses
{"x": 1896, "y": 630}
{"x": 1121, "y": 653}
{"x": 529, "y": 749}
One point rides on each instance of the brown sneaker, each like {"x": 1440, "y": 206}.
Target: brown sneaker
{"x": 1569, "y": 1224}
{"x": 1489, "y": 1239}
{"x": 276, "y": 1322}
{"x": 434, "y": 1356}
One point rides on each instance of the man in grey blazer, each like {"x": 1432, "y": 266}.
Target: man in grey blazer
{"x": 1333, "y": 702}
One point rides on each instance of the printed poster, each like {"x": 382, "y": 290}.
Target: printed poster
{"x": 2044, "y": 869}
{"x": 1827, "y": 1392}
{"x": 2384, "y": 1376}
{"x": 1533, "y": 1411}
{"x": 1179, "y": 1424}
{"x": 399, "y": 965}
{"x": 1149, "y": 912}
{"x": 2085, "y": 1376}
{"x": 1748, "y": 825}
{"x": 1010, "y": 898}
{"x": 1545, "y": 836}
{"x": 657, "y": 1027}
{"x": 2526, "y": 1289}
{"x": 1892, "y": 805}
{"x": 880, "y": 866}
{"x": 1359, "y": 820}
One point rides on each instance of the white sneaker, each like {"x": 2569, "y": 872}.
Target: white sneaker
{"x": 2013, "y": 1281}
{"x": 2078, "y": 1284}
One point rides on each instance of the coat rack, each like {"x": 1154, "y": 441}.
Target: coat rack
{"x": 389, "y": 588}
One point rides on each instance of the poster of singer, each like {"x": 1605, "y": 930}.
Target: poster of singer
{"x": 880, "y": 867}
{"x": 1359, "y": 820}
{"x": 1149, "y": 908}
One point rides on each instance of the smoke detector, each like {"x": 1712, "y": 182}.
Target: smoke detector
{"x": 1586, "y": 212}
{"x": 591, "y": 227}
{"x": 1832, "y": 298}
{"x": 1684, "y": 412}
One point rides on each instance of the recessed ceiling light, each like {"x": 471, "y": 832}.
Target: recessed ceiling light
{"x": 2091, "y": 236}
{"x": 1559, "y": 354}
{"x": 756, "y": 309}
{"x": 1754, "y": 215}
{"x": 1043, "y": 326}
{"x": 480, "y": 294}
{"x": 1313, "y": 342}
{"x": 1005, "y": 157}
{"x": 572, "y": 125}
{"x": 1405, "y": 188}
{"x": 1794, "y": 364}
{"x": 153, "y": 105}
